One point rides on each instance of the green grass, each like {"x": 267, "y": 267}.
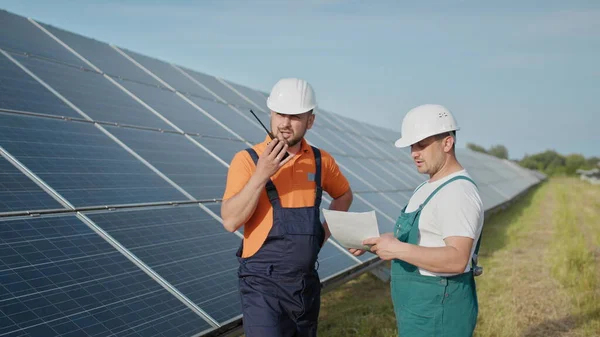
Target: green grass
{"x": 574, "y": 262}
{"x": 361, "y": 307}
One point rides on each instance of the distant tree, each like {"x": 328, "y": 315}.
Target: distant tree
{"x": 476, "y": 148}
{"x": 591, "y": 163}
{"x": 499, "y": 151}
{"x": 573, "y": 162}
{"x": 550, "y": 162}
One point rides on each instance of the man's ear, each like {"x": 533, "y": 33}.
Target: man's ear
{"x": 448, "y": 143}
{"x": 311, "y": 121}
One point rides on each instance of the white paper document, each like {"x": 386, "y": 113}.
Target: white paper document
{"x": 351, "y": 228}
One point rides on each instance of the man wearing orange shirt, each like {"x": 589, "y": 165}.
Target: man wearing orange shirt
{"x": 277, "y": 198}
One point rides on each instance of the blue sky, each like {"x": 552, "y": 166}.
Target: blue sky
{"x": 520, "y": 73}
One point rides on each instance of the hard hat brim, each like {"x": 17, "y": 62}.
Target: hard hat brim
{"x": 403, "y": 142}
{"x": 289, "y": 112}
{"x": 406, "y": 142}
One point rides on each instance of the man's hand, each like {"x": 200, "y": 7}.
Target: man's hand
{"x": 270, "y": 161}
{"x": 386, "y": 246}
{"x": 356, "y": 252}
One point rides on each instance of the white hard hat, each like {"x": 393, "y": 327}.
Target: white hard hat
{"x": 425, "y": 121}
{"x": 292, "y": 96}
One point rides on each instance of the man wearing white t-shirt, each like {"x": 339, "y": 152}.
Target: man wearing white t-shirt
{"x": 436, "y": 235}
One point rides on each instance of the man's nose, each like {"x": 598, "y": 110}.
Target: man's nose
{"x": 285, "y": 121}
{"x": 414, "y": 154}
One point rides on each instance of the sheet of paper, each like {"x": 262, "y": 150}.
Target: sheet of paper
{"x": 351, "y": 228}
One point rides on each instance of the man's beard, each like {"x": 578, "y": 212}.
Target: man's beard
{"x": 294, "y": 140}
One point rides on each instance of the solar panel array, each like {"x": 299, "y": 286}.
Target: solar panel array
{"x": 111, "y": 171}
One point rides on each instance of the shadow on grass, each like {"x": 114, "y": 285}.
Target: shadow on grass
{"x": 558, "y": 327}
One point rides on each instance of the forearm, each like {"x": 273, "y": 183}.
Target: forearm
{"x": 446, "y": 259}
{"x": 238, "y": 209}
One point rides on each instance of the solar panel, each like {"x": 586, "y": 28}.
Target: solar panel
{"x": 187, "y": 247}
{"x": 219, "y": 88}
{"x": 19, "y": 193}
{"x": 225, "y": 149}
{"x": 93, "y": 94}
{"x": 183, "y": 162}
{"x": 243, "y": 125}
{"x": 382, "y": 201}
{"x": 23, "y": 93}
{"x": 59, "y": 278}
{"x": 254, "y": 96}
{"x": 26, "y": 38}
{"x": 374, "y": 182}
{"x": 81, "y": 163}
{"x": 101, "y": 55}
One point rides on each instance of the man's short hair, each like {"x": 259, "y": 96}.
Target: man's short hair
{"x": 447, "y": 134}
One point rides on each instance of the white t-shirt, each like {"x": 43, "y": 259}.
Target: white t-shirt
{"x": 456, "y": 210}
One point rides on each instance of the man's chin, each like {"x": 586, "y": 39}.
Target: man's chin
{"x": 422, "y": 170}
{"x": 293, "y": 142}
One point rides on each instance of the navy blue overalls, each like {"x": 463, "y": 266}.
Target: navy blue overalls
{"x": 279, "y": 285}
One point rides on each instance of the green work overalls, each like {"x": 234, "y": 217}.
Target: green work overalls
{"x": 430, "y": 305}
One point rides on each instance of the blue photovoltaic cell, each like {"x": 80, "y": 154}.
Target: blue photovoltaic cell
{"x": 178, "y": 158}
{"x": 81, "y": 163}
{"x": 167, "y": 103}
{"x": 225, "y": 149}
{"x": 219, "y": 88}
{"x": 19, "y": 193}
{"x": 19, "y": 91}
{"x": 333, "y": 141}
{"x": 185, "y": 246}
{"x": 364, "y": 145}
{"x": 353, "y": 177}
{"x": 385, "y": 170}
{"x": 170, "y": 75}
{"x": 315, "y": 139}
{"x": 246, "y": 127}
{"x": 363, "y": 170}
{"x": 93, "y": 94}
{"x": 391, "y": 209}
{"x": 102, "y": 56}
{"x": 253, "y": 95}
{"x": 59, "y": 278}
{"x": 177, "y": 111}
{"x": 25, "y": 37}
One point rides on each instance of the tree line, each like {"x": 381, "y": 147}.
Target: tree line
{"x": 549, "y": 162}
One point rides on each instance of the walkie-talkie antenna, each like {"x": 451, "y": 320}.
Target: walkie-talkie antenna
{"x": 261, "y": 123}
{"x": 285, "y": 155}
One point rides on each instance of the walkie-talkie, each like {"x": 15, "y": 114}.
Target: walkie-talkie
{"x": 268, "y": 132}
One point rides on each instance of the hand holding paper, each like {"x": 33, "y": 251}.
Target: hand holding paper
{"x": 351, "y": 228}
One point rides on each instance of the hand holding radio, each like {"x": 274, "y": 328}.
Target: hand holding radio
{"x": 273, "y": 157}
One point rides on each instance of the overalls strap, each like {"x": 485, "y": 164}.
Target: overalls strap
{"x": 440, "y": 187}
{"x": 444, "y": 184}
{"x": 271, "y": 190}
{"x": 319, "y": 188}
